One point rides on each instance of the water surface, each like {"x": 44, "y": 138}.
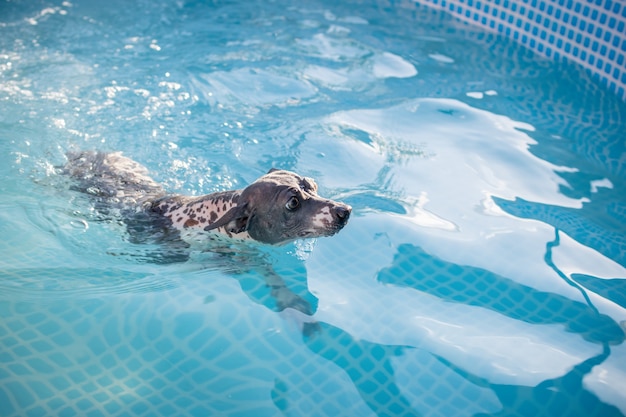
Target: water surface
{"x": 482, "y": 271}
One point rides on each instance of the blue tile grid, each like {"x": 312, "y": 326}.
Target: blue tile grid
{"x": 590, "y": 33}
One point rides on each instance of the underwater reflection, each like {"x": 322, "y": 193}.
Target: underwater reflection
{"x": 367, "y": 364}
{"x": 565, "y": 395}
{"x": 598, "y": 225}
{"x": 414, "y": 268}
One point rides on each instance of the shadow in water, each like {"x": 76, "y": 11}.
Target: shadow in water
{"x": 611, "y": 289}
{"x": 414, "y": 268}
{"x": 597, "y": 225}
{"x": 368, "y": 365}
{"x": 563, "y": 396}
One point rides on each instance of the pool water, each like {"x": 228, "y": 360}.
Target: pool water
{"x": 483, "y": 271}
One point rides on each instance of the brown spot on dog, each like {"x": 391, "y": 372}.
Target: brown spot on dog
{"x": 213, "y": 216}
{"x": 190, "y": 222}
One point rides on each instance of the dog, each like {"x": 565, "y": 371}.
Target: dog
{"x": 277, "y": 208}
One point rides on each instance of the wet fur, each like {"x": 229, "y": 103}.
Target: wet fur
{"x": 259, "y": 212}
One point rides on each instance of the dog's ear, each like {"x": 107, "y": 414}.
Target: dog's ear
{"x": 308, "y": 184}
{"x": 240, "y": 220}
{"x": 236, "y": 220}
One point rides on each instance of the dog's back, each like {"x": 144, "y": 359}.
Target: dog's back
{"x": 120, "y": 189}
{"x": 115, "y": 180}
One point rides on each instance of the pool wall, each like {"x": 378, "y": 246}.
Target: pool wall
{"x": 590, "y": 33}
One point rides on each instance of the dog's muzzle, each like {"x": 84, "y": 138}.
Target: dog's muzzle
{"x": 341, "y": 214}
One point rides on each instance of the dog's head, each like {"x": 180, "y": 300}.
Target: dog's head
{"x": 282, "y": 206}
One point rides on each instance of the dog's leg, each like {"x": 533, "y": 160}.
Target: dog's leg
{"x": 285, "y": 298}
{"x": 291, "y": 306}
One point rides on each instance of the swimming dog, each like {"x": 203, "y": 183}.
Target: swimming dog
{"x": 277, "y": 208}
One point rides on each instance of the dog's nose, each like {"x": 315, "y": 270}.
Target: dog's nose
{"x": 342, "y": 212}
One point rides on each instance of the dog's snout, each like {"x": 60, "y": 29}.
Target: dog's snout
{"x": 342, "y": 212}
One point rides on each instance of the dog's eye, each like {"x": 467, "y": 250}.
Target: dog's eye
{"x": 292, "y": 204}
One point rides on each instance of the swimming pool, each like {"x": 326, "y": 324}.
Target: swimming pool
{"x": 482, "y": 271}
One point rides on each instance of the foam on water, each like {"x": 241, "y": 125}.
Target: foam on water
{"x": 483, "y": 269}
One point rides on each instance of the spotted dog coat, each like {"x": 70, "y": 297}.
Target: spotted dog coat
{"x": 279, "y": 207}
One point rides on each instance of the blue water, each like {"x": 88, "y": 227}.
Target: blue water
{"x": 483, "y": 271}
